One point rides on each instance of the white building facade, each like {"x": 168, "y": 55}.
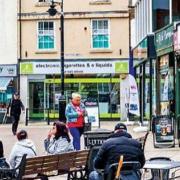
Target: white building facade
{"x": 8, "y": 51}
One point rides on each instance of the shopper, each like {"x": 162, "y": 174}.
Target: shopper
{"x": 58, "y": 139}
{"x": 15, "y": 107}
{"x": 75, "y": 113}
{"x": 21, "y": 147}
{"x": 119, "y": 143}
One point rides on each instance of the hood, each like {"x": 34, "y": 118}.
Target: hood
{"x": 26, "y": 143}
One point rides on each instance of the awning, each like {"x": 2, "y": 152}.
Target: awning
{"x": 4, "y": 82}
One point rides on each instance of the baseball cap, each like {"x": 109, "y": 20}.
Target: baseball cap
{"x": 120, "y": 126}
{"x": 16, "y": 93}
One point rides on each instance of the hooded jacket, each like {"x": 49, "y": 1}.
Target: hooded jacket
{"x": 25, "y": 146}
{"x": 120, "y": 143}
{"x": 57, "y": 146}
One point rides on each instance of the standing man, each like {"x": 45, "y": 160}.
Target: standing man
{"x": 75, "y": 113}
{"x": 15, "y": 107}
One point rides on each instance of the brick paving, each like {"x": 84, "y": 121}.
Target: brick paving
{"x": 38, "y": 132}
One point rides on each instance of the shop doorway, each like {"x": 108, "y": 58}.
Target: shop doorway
{"x": 36, "y": 99}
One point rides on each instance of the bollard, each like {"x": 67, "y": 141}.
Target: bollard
{"x": 48, "y": 119}
{"x": 26, "y": 123}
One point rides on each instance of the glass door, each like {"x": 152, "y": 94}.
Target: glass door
{"x": 36, "y": 99}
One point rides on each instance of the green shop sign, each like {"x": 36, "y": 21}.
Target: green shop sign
{"x": 164, "y": 40}
{"x": 26, "y": 68}
{"x": 121, "y": 67}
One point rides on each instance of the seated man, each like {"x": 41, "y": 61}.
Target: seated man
{"x": 119, "y": 143}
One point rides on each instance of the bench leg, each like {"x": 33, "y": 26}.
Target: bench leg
{"x": 77, "y": 175}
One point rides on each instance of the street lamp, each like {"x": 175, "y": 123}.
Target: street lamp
{"x": 52, "y": 12}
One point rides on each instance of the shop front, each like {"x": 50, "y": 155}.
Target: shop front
{"x": 97, "y": 81}
{"x": 145, "y": 74}
{"x": 165, "y": 71}
{"x": 177, "y": 75}
{"x": 8, "y": 83}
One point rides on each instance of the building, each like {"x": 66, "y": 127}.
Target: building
{"x": 156, "y": 60}
{"x": 8, "y": 52}
{"x": 96, "y": 41}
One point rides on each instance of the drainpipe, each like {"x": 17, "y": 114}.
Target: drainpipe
{"x": 20, "y": 45}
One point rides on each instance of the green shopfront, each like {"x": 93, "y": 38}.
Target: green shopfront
{"x": 165, "y": 71}
{"x": 145, "y": 74}
{"x": 95, "y": 80}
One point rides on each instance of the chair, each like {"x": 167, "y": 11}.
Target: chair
{"x": 155, "y": 173}
{"x": 92, "y": 154}
{"x": 130, "y": 171}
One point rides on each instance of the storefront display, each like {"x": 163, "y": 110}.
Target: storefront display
{"x": 98, "y": 80}
{"x": 8, "y": 75}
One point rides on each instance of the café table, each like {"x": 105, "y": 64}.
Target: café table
{"x": 161, "y": 166}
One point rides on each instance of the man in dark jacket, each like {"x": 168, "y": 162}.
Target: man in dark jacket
{"x": 119, "y": 143}
{"x": 15, "y": 107}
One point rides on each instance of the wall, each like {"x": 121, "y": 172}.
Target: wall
{"x": 8, "y": 32}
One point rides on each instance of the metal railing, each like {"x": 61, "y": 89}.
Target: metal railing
{"x": 37, "y": 114}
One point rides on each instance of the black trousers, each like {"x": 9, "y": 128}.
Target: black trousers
{"x": 15, "y": 122}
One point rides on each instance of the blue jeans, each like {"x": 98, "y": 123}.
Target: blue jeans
{"x": 76, "y": 134}
{"x": 94, "y": 175}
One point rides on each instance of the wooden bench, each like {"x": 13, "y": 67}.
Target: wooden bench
{"x": 143, "y": 139}
{"x": 72, "y": 163}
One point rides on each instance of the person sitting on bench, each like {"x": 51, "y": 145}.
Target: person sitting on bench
{"x": 58, "y": 139}
{"x": 23, "y": 146}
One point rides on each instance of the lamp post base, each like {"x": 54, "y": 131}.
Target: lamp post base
{"x": 62, "y": 108}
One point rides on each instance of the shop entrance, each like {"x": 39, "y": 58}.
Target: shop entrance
{"x": 36, "y": 99}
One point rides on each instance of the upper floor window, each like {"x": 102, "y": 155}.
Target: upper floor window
{"x": 100, "y": 34}
{"x": 46, "y": 35}
{"x": 44, "y": 0}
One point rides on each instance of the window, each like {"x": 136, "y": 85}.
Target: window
{"x": 44, "y": 0}
{"x": 45, "y": 35}
{"x": 99, "y": 1}
{"x": 176, "y": 10}
{"x": 100, "y": 34}
{"x": 160, "y": 13}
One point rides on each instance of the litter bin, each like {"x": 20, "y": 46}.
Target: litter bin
{"x": 163, "y": 131}
{"x": 96, "y": 137}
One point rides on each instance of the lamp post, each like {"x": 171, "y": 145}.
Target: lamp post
{"x": 52, "y": 12}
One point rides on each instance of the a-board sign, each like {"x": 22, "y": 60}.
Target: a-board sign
{"x": 93, "y": 113}
{"x": 164, "y": 129}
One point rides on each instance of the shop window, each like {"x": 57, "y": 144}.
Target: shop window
{"x": 45, "y": 35}
{"x": 100, "y": 34}
{"x": 154, "y": 94}
{"x": 166, "y": 86}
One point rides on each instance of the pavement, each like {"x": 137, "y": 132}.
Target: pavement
{"x": 38, "y": 132}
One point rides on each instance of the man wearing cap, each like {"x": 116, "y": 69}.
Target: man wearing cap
{"x": 15, "y": 107}
{"x": 119, "y": 143}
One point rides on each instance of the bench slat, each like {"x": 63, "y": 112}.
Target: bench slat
{"x": 64, "y": 163}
